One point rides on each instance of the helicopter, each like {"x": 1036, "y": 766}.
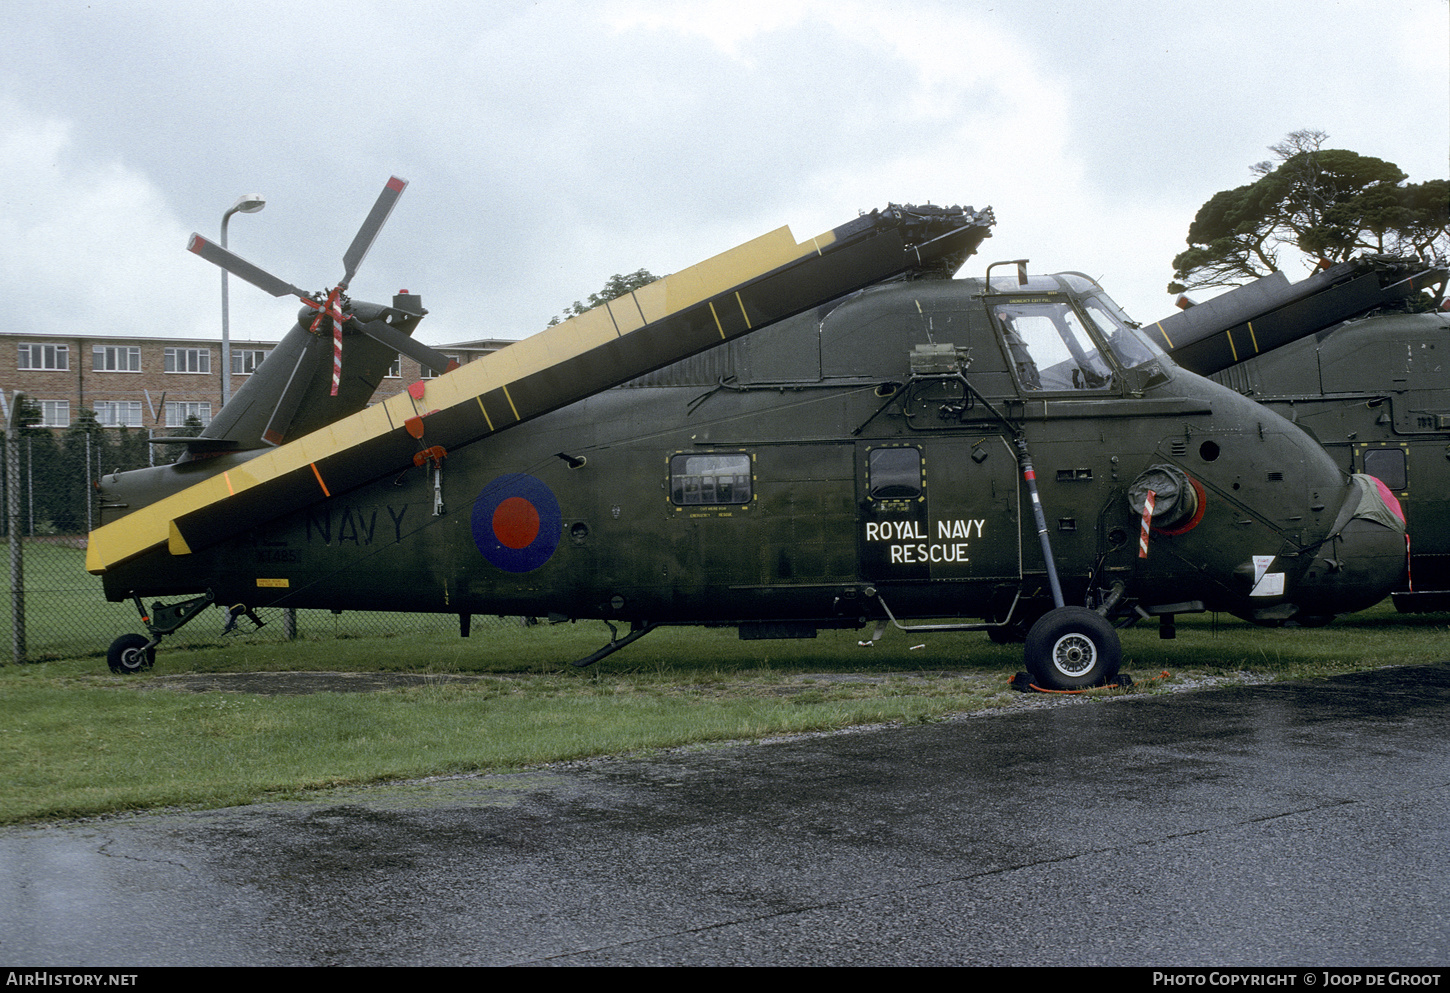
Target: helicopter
{"x": 785, "y": 438}
{"x": 1345, "y": 354}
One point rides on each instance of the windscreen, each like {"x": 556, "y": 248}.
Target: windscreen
{"x": 1131, "y": 346}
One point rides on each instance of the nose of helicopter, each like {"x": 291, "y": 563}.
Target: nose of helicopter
{"x": 1362, "y": 560}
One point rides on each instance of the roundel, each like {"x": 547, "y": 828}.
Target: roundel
{"x": 516, "y": 523}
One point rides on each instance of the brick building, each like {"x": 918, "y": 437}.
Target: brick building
{"x": 153, "y": 382}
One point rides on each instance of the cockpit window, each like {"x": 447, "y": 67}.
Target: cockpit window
{"x": 1050, "y": 348}
{"x": 1130, "y": 345}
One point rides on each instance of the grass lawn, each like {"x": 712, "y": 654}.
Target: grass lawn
{"x": 79, "y": 741}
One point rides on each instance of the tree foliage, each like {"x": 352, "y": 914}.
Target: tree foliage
{"x": 59, "y": 470}
{"x": 1328, "y": 204}
{"x": 617, "y": 286}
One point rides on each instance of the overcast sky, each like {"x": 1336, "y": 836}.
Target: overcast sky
{"x": 549, "y": 145}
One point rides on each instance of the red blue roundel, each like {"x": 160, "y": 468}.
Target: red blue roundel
{"x": 517, "y": 523}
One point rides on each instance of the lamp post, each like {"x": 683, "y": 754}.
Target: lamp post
{"x": 249, "y": 204}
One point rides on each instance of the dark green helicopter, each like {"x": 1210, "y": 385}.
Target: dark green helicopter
{"x": 1351, "y": 355}
{"x": 784, "y": 438}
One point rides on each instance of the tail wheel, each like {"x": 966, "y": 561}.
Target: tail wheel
{"x": 1072, "y": 648}
{"x": 131, "y": 653}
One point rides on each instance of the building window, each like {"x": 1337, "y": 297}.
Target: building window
{"x": 709, "y": 480}
{"x": 245, "y": 361}
{"x": 118, "y": 413}
{"x": 188, "y": 360}
{"x": 116, "y": 358}
{"x": 54, "y": 413}
{"x": 178, "y": 411}
{"x": 395, "y": 371}
{"x": 429, "y": 373}
{"x": 45, "y": 357}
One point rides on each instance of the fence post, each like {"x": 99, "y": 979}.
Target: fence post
{"x": 90, "y": 488}
{"x": 12, "y": 521}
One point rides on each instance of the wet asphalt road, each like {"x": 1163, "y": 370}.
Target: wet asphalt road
{"x": 1270, "y": 825}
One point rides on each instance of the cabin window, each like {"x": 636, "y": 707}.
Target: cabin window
{"x": 709, "y": 480}
{"x": 895, "y": 473}
{"x": 1387, "y": 465}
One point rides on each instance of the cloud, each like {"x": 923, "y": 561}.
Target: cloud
{"x": 91, "y": 246}
{"x": 553, "y": 144}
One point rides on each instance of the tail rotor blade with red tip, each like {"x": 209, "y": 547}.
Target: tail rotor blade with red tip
{"x": 329, "y": 310}
{"x": 241, "y": 268}
{"x": 358, "y": 250}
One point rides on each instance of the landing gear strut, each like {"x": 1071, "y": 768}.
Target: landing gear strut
{"x": 131, "y": 653}
{"x": 638, "y": 629}
{"x": 1068, "y": 648}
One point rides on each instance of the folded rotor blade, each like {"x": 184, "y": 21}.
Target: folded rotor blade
{"x": 241, "y": 268}
{"x": 358, "y": 250}
{"x": 723, "y": 298}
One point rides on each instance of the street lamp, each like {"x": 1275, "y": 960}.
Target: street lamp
{"x": 248, "y": 204}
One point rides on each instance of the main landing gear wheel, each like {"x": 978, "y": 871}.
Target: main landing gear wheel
{"x": 1072, "y": 648}
{"x": 128, "y": 654}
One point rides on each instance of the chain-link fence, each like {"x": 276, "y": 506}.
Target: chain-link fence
{"x": 48, "y": 482}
